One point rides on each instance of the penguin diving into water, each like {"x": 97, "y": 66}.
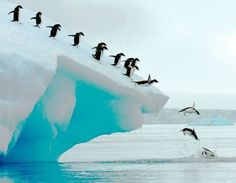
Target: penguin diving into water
{"x": 99, "y": 50}
{"x": 117, "y": 58}
{"x": 38, "y": 19}
{"x": 147, "y": 82}
{"x": 16, "y": 13}
{"x": 190, "y": 110}
{"x": 207, "y": 153}
{"x": 54, "y": 30}
{"x": 77, "y": 38}
{"x": 190, "y": 132}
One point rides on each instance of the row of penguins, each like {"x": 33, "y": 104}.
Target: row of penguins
{"x": 191, "y": 132}
{"x": 130, "y": 64}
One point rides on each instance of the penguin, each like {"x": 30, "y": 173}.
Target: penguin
{"x": 190, "y": 132}
{"x": 16, "y": 13}
{"x": 147, "y": 82}
{"x": 99, "y": 50}
{"x": 130, "y": 69}
{"x": 207, "y": 153}
{"x": 190, "y": 110}
{"x": 117, "y": 58}
{"x": 77, "y": 38}
{"x": 54, "y": 30}
{"x": 100, "y": 45}
{"x": 128, "y": 62}
{"x": 38, "y": 19}
{"x": 134, "y": 66}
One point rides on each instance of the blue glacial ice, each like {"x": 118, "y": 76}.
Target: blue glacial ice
{"x": 54, "y": 96}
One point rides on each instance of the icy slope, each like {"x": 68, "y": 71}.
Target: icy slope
{"x": 54, "y": 96}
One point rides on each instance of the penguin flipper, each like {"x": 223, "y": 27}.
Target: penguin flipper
{"x": 71, "y": 35}
{"x": 10, "y": 12}
{"x": 49, "y": 26}
{"x": 33, "y": 18}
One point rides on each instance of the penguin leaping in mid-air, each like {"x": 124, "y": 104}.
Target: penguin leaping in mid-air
{"x": 117, "y": 58}
{"x": 77, "y": 38}
{"x": 99, "y": 50}
{"x": 16, "y": 13}
{"x": 207, "y": 153}
{"x": 54, "y": 30}
{"x": 190, "y": 132}
{"x": 38, "y": 19}
{"x": 147, "y": 82}
{"x": 190, "y": 110}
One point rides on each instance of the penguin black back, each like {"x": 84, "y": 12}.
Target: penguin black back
{"x": 117, "y": 58}
{"x": 54, "y": 30}
{"x": 99, "y": 51}
{"x": 16, "y": 13}
{"x": 77, "y": 38}
{"x": 38, "y": 19}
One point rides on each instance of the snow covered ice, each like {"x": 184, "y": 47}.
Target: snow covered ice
{"x": 54, "y": 96}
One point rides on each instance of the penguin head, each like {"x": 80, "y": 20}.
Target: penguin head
{"x": 19, "y": 7}
{"x": 105, "y": 48}
{"x": 81, "y": 33}
{"x": 102, "y": 44}
{"x": 122, "y": 54}
{"x": 155, "y": 81}
{"x": 57, "y": 26}
{"x": 38, "y": 14}
{"x": 136, "y": 59}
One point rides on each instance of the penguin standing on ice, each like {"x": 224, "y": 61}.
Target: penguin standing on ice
{"x": 54, "y": 30}
{"x": 128, "y": 62}
{"x": 77, "y": 38}
{"x": 16, "y": 13}
{"x": 38, "y": 19}
{"x": 190, "y": 132}
{"x": 134, "y": 66}
{"x": 147, "y": 82}
{"x": 190, "y": 110}
{"x": 130, "y": 70}
{"x": 117, "y": 58}
{"x": 128, "y": 67}
{"x": 99, "y": 50}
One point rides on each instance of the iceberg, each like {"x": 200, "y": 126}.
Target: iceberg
{"x": 54, "y": 96}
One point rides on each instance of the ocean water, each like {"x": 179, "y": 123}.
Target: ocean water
{"x": 154, "y": 153}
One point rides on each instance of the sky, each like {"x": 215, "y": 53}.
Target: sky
{"x": 188, "y": 45}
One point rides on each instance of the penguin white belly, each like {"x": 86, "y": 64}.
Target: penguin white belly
{"x": 190, "y": 111}
{"x": 132, "y": 71}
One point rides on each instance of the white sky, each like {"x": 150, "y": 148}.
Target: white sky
{"x": 188, "y": 45}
